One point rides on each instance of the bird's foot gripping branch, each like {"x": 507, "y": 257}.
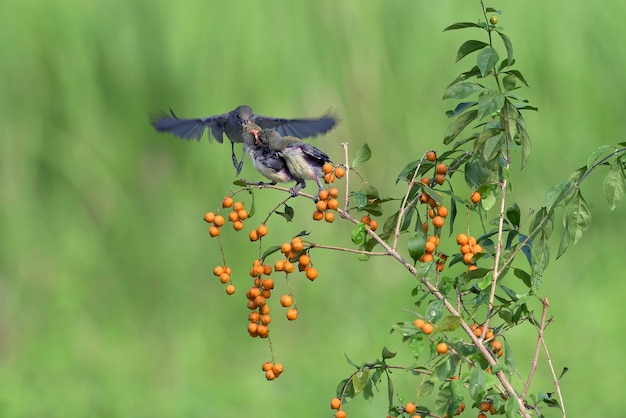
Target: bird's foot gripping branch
{"x": 457, "y": 231}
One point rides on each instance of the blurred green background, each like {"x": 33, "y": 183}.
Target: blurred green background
{"x": 107, "y": 304}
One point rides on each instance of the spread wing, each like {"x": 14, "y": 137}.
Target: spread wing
{"x": 302, "y": 128}
{"x": 190, "y": 128}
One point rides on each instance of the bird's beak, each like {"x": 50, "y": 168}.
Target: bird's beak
{"x": 255, "y": 132}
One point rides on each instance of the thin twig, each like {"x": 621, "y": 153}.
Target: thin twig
{"x": 344, "y": 145}
{"x": 533, "y": 365}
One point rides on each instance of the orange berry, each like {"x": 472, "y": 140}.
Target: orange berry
{"x": 266, "y": 366}
{"x": 477, "y": 249}
{"x": 321, "y": 205}
{"x": 230, "y": 289}
{"x": 467, "y": 258}
{"x": 419, "y": 322}
{"x": 481, "y": 415}
{"x": 373, "y": 225}
{"x": 461, "y": 409}
{"x": 253, "y": 292}
{"x": 496, "y": 346}
{"x": 279, "y": 265}
{"x": 340, "y": 172}
{"x": 266, "y": 293}
{"x": 329, "y": 217}
{"x": 442, "y": 348}
{"x": 252, "y": 327}
{"x": 335, "y": 403}
{"x": 269, "y": 375}
{"x": 440, "y": 267}
{"x": 267, "y": 269}
{"x": 484, "y": 406}
{"x": 423, "y": 197}
{"x": 264, "y": 310}
{"x": 224, "y": 277}
{"x": 238, "y": 225}
{"x": 278, "y": 369}
{"x": 265, "y": 319}
{"x": 435, "y": 239}
{"x": 430, "y": 247}
{"x": 327, "y": 168}
{"x": 311, "y": 273}
{"x": 410, "y": 408}
{"x": 499, "y": 354}
{"x": 442, "y": 169}
{"x": 219, "y": 220}
{"x": 431, "y": 156}
{"x": 304, "y": 259}
{"x": 258, "y": 270}
{"x": 285, "y": 248}
{"x": 243, "y": 214}
{"x": 286, "y": 300}
{"x": 267, "y": 283}
{"x": 262, "y": 330}
{"x": 292, "y": 314}
{"x": 227, "y": 202}
{"x": 489, "y": 335}
{"x": 425, "y": 181}
{"x": 218, "y": 270}
{"x": 366, "y": 219}
{"x": 426, "y": 258}
{"x": 466, "y": 249}
{"x": 323, "y": 194}
{"x": 214, "y": 231}
{"x": 289, "y": 267}
{"x": 472, "y": 241}
{"x": 237, "y": 206}
{"x": 425, "y": 227}
{"x": 341, "y": 414}
{"x": 440, "y": 178}
{"x": 253, "y": 235}
{"x": 232, "y": 216}
{"x": 251, "y": 305}
{"x": 333, "y": 192}
{"x": 318, "y": 216}
{"x": 462, "y": 239}
{"x": 442, "y": 211}
{"x": 262, "y": 230}
{"x": 432, "y": 202}
{"x": 438, "y": 221}
{"x": 431, "y": 213}
{"x": 333, "y": 204}
{"x": 297, "y": 244}
{"x": 228, "y": 270}
{"x": 329, "y": 178}
{"x": 209, "y": 217}
{"x": 254, "y": 316}
{"x": 428, "y": 328}
{"x": 475, "y": 197}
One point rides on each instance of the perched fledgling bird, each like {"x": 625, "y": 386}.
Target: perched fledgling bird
{"x": 232, "y": 124}
{"x": 304, "y": 161}
{"x": 265, "y": 161}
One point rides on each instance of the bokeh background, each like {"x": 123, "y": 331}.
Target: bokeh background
{"x": 107, "y": 304}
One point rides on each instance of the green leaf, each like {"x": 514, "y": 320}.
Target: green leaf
{"x": 241, "y": 183}
{"x": 427, "y": 388}
{"x": 462, "y": 90}
{"x": 487, "y": 60}
{"x": 477, "y": 383}
{"x": 387, "y": 354}
{"x": 513, "y": 215}
{"x": 493, "y": 146}
{"x": 508, "y": 357}
{"x": 358, "y": 233}
{"x": 459, "y": 124}
{"x": 519, "y": 76}
{"x": 287, "y": 214}
{"x": 525, "y": 139}
{"x": 468, "y": 47}
{"x": 449, "y": 323}
{"x": 577, "y": 216}
{"x": 511, "y": 407}
{"x": 434, "y": 311}
{"x": 417, "y": 247}
{"x": 462, "y": 25}
{"x": 270, "y": 251}
{"x": 593, "y": 158}
{"x": 614, "y": 184}
{"x": 489, "y": 103}
{"x": 416, "y": 345}
{"x": 362, "y": 155}
{"x": 360, "y": 379}
{"x": 359, "y": 199}
{"x": 474, "y": 72}
{"x": 523, "y": 276}
{"x": 508, "y": 45}
{"x": 564, "y": 244}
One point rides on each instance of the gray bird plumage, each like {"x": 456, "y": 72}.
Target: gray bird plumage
{"x": 265, "y": 161}
{"x": 232, "y": 124}
{"x": 304, "y": 161}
